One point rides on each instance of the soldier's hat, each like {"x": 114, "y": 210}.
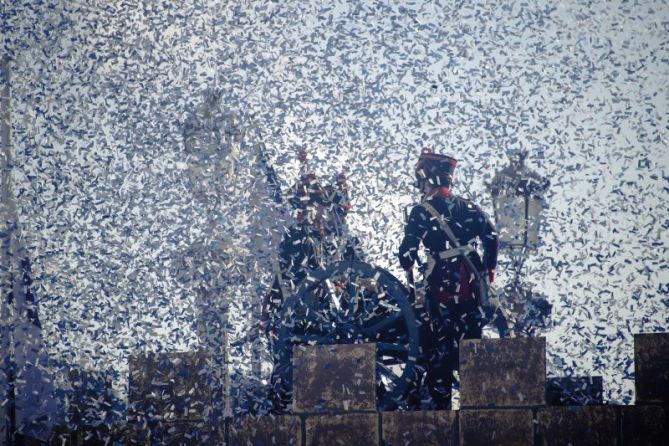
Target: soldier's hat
{"x": 337, "y": 196}
{"x": 435, "y": 168}
{"x": 307, "y": 192}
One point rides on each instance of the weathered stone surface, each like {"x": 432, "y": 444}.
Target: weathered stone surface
{"x": 347, "y": 429}
{"x": 169, "y": 387}
{"x": 419, "y": 428}
{"x": 503, "y": 372}
{"x": 91, "y": 398}
{"x": 651, "y": 367}
{"x": 334, "y": 378}
{"x": 176, "y": 433}
{"x": 645, "y": 425}
{"x": 578, "y": 425}
{"x": 574, "y": 391}
{"x": 508, "y": 427}
{"x": 266, "y": 431}
{"x": 187, "y": 433}
{"x": 91, "y": 435}
{"x": 136, "y": 434}
{"x": 62, "y": 436}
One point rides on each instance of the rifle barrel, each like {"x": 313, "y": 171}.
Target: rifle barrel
{"x": 270, "y": 174}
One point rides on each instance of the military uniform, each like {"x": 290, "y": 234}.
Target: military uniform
{"x": 299, "y": 253}
{"x": 468, "y": 223}
{"x": 453, "y": 297}
{"x": 316, "y": 241}
{"x": 453, "y": 292}
{"x": 302, "y": 250}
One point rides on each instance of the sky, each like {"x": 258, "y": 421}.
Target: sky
{"x": 111, "y": 200}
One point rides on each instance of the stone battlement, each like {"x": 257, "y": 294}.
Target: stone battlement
{"x": 504, "y": 394}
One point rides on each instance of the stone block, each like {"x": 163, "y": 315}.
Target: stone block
{"x": 334, "y": 378}
{"x": 267, "y": 431}
{"x": 574, "y": 391}
{"x": 645, "y": 425}
{"x": 419, "y": 428}
{"x": 508, "y": 427}
{"x": 503, "y": 372}
{"x": 591, "y": 425}
{"x": 91, "y": 397}
{"x": 169, "y": 387}
{"x": 185, "y": 433}
{"x": 62, "y": 436}
{"x": 651, "y": 368}
{"x": 136, "y": 434}
{"x": 171, "y": 433}
{"x": 346, "y": 429}
{"x": 91, "y": 435}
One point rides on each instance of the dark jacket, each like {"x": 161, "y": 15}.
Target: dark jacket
{"x": 469, "y": 224}
{"x": 303, "y": 250}
{"x": 298, "y": 254}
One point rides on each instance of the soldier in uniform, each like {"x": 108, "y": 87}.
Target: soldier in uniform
{"x": 450, "y": 228}
{"x": 317, "y": 239}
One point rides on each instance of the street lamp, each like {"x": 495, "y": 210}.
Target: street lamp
{"x": 518, "y": 201}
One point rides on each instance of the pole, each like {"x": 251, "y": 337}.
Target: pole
{"x": 7, "y": 265}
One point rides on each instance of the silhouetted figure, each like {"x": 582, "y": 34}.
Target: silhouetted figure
{"x": 450, "y": 228}
{"x": 316, "y": 240}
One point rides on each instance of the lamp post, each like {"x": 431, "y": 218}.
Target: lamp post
{"x": 7, "y": 267}
{"x": 518, "y": 201}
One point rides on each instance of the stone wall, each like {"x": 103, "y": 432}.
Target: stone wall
{"x": 505, "y": 399}
{"x": 504, "y": 396}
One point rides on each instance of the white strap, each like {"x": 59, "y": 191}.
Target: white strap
{"x": 451, "y": 236}
{"x": 454, "y": 241}
{"x": 454, "y": 252}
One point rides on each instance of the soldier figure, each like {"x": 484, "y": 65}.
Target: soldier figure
{"x": 449, "y": 228}
{"x": 315, "y": 241}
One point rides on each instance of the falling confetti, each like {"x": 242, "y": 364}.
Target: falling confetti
{"x": 143, "y": 198}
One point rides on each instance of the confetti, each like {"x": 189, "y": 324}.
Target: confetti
{"x": 143, "y": 198}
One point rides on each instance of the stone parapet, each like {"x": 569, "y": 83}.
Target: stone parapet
{"x": 572, "y": 425}
{"x": 509, "y": 427}
{"x": 334, "y": 378}
{"x": 645, "y": 425}
{"x": 502, "y": 372}
{"x": 651, "y": 368}
{"x": 283, "y": 430}
{"x": 361, "y": 429}
{"x": 424, "y": 428}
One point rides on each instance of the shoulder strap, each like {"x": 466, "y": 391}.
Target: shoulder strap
{"x": 454, "y": 241}
{"x": 442, "y": 223}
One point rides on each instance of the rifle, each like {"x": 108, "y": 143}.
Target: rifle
{"x": 410, "y": 278}
{"x": 270, "y": 175}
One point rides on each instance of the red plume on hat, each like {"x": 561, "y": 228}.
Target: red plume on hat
{"x": 338, "y": 196}
{"x": 306, "y": 192}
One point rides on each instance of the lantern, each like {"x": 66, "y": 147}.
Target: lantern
{"x": 517, "y": 194}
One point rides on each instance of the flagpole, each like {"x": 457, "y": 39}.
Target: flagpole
{"x": 7, "y": 260}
